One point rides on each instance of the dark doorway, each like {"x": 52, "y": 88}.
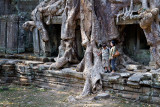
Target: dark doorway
{"x": 135, "y": 44}
{"x": 79, "y": 48}
{"x": 54, "y": 32}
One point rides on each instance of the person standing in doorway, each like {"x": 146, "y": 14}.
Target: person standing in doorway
{"x": 105, "y": 57}
{"x": 112, "y": 57}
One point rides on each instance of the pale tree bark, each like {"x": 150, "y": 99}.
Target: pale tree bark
{"x": 70, "y": 17}
{"x": 93, "y": 15}
{"x": 150, "y": 24}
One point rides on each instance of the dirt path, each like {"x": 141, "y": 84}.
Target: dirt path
{"x": 30, "y": 96}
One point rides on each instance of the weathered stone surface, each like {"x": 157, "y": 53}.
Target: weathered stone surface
{"x": 12, "y": 35}
{"x": 155, "y": 92}
{"x": 105, "y": 76}
{"x": 146, "y": 82}
{"x": 134, "y": 96}
{"x": 147, "y": 76}
{"x": 125, "y": 75}
{"x": 146, "y": 90}
{"x": 148, "y": 68}
{"x": 155, "y": 100}
{"x": 118, "y": 87}
{"x": 71, "y": 99}
{"x": 2, "y": 35}
{"x": 132, "y": 67}
{"x": 127, "y": 85}
{"x": 133, "y": 84}
{"x": 140, "y": 70}
{"x": 5, "y": 80}
{"x": 122, "y": 70}
{"x": 107, "y": 84}
{"x": 33, "y": 63}
{"x": 10, "y": 27}
{"x": 133, "y": 89}
{"x": 136, "y": 77}
{"x": 67, "y": 71}
{"x": 105, "y": 95}
{"x": 144, "y": 99}
{"x": 113, "y": 79}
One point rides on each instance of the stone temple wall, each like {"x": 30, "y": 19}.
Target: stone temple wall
{"x": 13, "y": 13}
{"x": 134, "y": 82}
{"x": 15, "y": 40}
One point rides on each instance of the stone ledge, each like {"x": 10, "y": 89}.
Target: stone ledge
{"x": 127, "y": 84}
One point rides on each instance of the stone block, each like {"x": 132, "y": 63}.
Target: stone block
{"x": 125, "y": 75}
{"x": 2, "y": 2}
{"x": 132, "y": 89}
{"x": 146, "y": 83}
{"x": 21, "y": 38}
{"x": 134, "y": 96}
{"x": 105, "y": 95}
{"x": 155, "y": 100}
{"x": 118, "y": 87}
{"x": 136, "y": 77}
{"x": 107, "y": 84}
{"x": 132, "y": 67}
{"x": 71, "y": 99}
{"x": 146, "y": 90}
{"x": 147, "y": 76}
{"x": 12, "y": 34}
{"x": 113, "y": 79}
{"x": 3, "y": 27}
{"x": 145, "y": 99}
{"x": 140, "y": 70}
{"x": 155, "y": 92}
{"x": 133, "y": 84}
{"x": 105, "y": 76}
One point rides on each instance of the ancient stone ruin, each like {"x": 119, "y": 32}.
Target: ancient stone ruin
{"x": 48, "y": 42}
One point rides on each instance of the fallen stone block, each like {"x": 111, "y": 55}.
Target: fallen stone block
{"x": 132, "y": 67}
{"x": 136, "y": 77}
{"x": 102, "y": 96}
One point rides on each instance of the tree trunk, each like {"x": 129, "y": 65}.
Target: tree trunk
{"x": 69, "y": 19}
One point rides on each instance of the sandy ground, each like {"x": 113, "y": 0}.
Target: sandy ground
{"x": 30, "y": 96}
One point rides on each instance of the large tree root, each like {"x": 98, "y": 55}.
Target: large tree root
{"x": 68, "y": 35}
{"x": 150, "y": 24}
{"x": 66, "y": 54}
{"x": 92, "y": 68}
